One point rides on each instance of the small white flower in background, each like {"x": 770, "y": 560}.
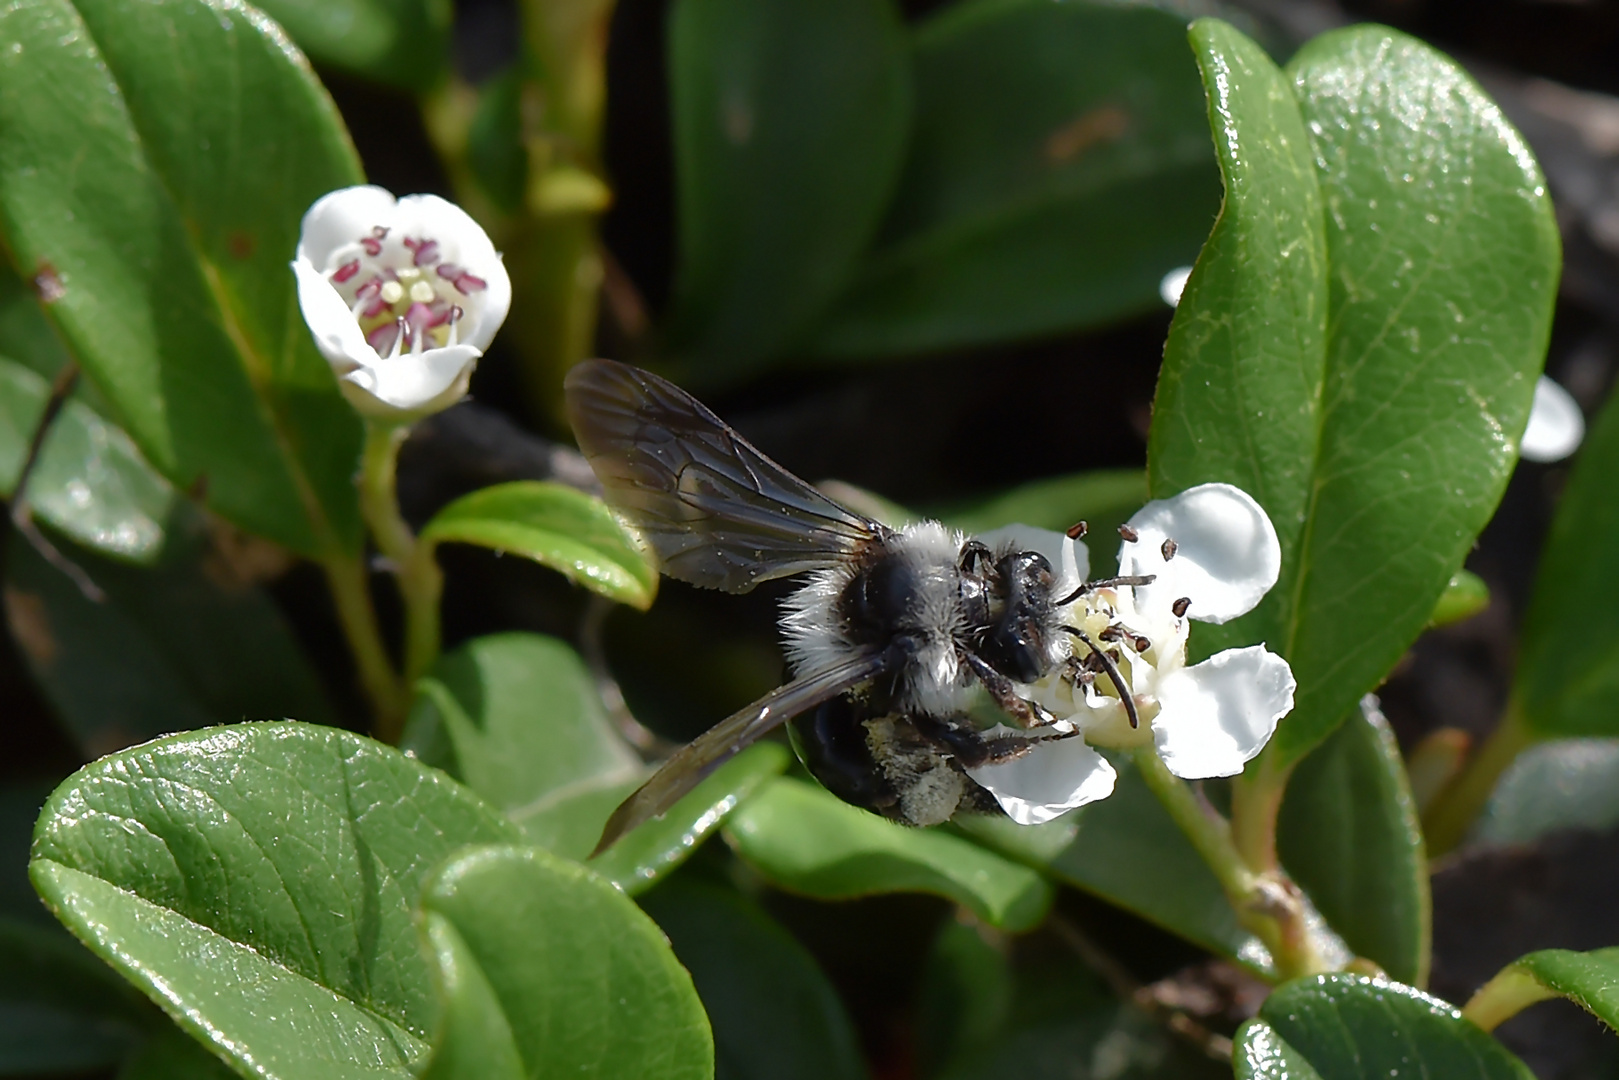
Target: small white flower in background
{"x": 403, "y": 296}
{"x": 1556, "y": 425}
{"x": 1213, "y": 554}
{"x": 1174, "y": 284}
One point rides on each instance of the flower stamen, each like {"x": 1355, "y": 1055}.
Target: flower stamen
{"x": 1112, "y": 670}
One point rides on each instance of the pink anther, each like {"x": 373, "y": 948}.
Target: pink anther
{"x": 346, "y": 271}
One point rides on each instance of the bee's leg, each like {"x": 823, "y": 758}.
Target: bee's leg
{"x": 1004, "y": 694}
{"x": 969, "y": 746}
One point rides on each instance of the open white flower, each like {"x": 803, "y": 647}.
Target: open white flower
{"x": 403, "y": 296}
{"x": 1213, "y": 554}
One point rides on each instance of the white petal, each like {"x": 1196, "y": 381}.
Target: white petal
{"x": 407, "y": 385}
{"x": 1215, "y": 716}
{"x": 340, "y": 218}
{"x": 1556, "y": 424}
{"x": 337, "y": 336}
{"x": 1069, "y": 558}
{"x": 1048, "y": 781}
{"x": 466, "y": 244}
{"x": 1173, "y": 284}
{"x": 1226, "y": 558}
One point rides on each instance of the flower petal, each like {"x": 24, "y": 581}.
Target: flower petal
{"x": 1226, "y": 556}
{"x": 1215, "y": 716}
{"x": 1556, "y": 424}
{"x": 340, "y": 218}
{"x": 1048, "y": 781}
{"x": 468, "y": 246}
{"x": 337, "y": 336}
{"x": 1069, "y": 558}
{"x": 407, "y": 385}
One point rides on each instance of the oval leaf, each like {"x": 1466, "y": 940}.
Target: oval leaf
{"x": 807, "y": 841}
{"x": 1058, "y": 167}
{"x": 551, "y": 971}
{"x": 1589, "y": 979}
{"x": 257, "y": 882}
{"x": 155, "y": 161}
{"x": 1349, "y": 1027}
{"x": 789, "y": 126}
{"x": 775, "y": 1016}
{"x": 402, "y": 42}
{"x": 1350, "y": 834}
{"x": 1371, "y": 396}
{"x": 556, "y": 526}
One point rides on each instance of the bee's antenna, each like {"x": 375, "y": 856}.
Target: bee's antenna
{"x": 1112, "y": 673}
{"x": 1107, "y": 583}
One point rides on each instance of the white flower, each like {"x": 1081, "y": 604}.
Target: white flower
{"x": 1555, "y": 427}
{"x": 402, "y": 297}
{"x": 1213, "y": 555}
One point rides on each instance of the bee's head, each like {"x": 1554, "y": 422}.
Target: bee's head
{"x": 1009, "y": 600}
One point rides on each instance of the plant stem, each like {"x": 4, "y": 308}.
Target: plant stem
{"x": 1268, "y": 904}
{"x": 421, "y": 583}
{"x": 1458, "y": 805}
{"x": 346, "y": 576}
{"x": 1256, "y": 802}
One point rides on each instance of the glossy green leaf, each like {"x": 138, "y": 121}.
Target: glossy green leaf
{"x": 1103, "y": 499}
{"x": 649, "y": 853}
{"x": 556, "y": 526}
{"x": 402, "y": 42}
{"x": 495, "y": 151}
{"x": 90, "y": 481}
{"x": 1568, "y": 683}
{"x": 1551, "y": 786}
{"x": 789, "y": 128}
{"x": 1589, "y": 979}
{"x": 965, "y": 999}
{"x": 775, "y": 1016}
{"x": 257, "y": 882}
{"x": 173, "y": 1055}
{"x": 1127, "y": 850}
{"x": 62, "y": 1009}
{"x": 1058, "y": 167}
{"x": 186, "y": 643}
{"x": 1349, "y": 1027}
{"x": 807, "y": 841}
{"x": 551, "y": 971}
{"x": 518, "y": 719}
{"x": 155, "y": 161}
{"x": 1350, "y": 835}
{"x": 1117, "y": 1040}
{"x": 1464, "y": 597}
{"x": 1366, "y": 381}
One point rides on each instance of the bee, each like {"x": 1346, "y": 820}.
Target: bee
{"x": 889, "y": 636}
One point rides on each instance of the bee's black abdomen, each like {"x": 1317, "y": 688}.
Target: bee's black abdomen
{"x": 831, "y": 741}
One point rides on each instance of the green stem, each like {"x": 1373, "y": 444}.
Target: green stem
{"x": 1267, "y": 903}
{"x": 1256, "y": 803}
{"x": 1458, "y": 805}
{"x": 421, "y": 583}
{"x": 346, "y": 577}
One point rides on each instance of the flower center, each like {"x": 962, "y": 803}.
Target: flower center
{"x": 403, "y": 293}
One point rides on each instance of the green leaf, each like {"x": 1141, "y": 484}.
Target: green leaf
{"x": 1350, "y": 834}
{"x": 1358, "y": 344}
{"x": 155, "y": 161}
{"x": 966, "y": 996}
{"x": 402, "y": 42}
{"x": 173, "y": 1055}
{"x": 1349, "y": 1027}
{"x": 1058, "y": 167}
{"x": 1103, "y": 499}
{"x": 257, "y": 882}
{"x": 1551, "y": 786}
{"x": 805, "y": 840}
{"x": 556, "y": 526}
{"x": 1127, "y": 850}
{"x": 1465, "y": 596}
{"x": 1568, "y": 684}
{"x": 25, "y": 335}
{"x": 1588, "y": 979}
{"x": 189, "y": 642}
{"x": 1115, "y": 1041}
{"x": 90, "y": 481}
{"x": 495, "y": 151}
{"x": 549, "y": 970}
{"x": 789, "y": 128}
{"x": 775, "y": 1016}
{"x": 649, "y": 853}
{"x": 61, "y": 1009}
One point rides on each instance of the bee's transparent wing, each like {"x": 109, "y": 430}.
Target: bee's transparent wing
{"x": 714, "y": 747}
{"x": 718, "y": 512}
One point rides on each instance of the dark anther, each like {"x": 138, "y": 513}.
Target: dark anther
{"x": 1142, "y": 644}
{"x": 1112, "y": 670}
{"x": 1077, "y": 530}
{"x": 1179, "y": 607}
{"x": 1129, "y": 534}
{"x": 1112, "y": 633}
{"x": 1169, "y": 548}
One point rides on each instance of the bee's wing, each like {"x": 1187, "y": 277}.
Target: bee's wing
{"x": 714, "y": 747}
{"x": 718, "y": 512}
